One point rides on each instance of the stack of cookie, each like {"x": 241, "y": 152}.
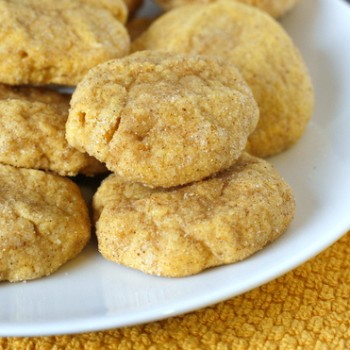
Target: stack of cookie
{"x": 179, "y": 123}
{"x": 175, "y": 128}
{"x": 44, "y": 219}
{"x": 184, "y": 195}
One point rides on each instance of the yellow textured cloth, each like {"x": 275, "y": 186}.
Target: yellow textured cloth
{"x": 308, "y": 308}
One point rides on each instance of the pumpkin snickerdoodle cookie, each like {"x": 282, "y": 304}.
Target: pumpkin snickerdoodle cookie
{"x": 44, "y": 223}
{"x": 162, "y": 119}
{"x": 263, "y": 52}
{"x": 183, "y": 230}
{"x": 32, "y": 132}
{"x": 48, "y": 41}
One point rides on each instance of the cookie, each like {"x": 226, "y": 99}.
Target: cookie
{"x": 162, "y": 119}
{"x": 117, "y": 7}
{"x": 44, "y": 223}
{"x": 263, "y": 52}
{"x": 32, "y": 132}
{"x": 275, "y": 8}
{"x": 182, "y": 231}
{"x": 47, "y": 41}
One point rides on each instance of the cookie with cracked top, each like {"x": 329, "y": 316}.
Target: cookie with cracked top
{"x": 44, "y": 223}
{"x": 32, "y": 132}
{"x": 184, "y": 230}
{"x": 56, "y": 42}
{"x": 162, "y": 119}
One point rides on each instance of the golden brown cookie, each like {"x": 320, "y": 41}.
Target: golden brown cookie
{"x": 275, "y": 8}
{"x": 117, "y": 7}
{"x": 261, "y": 50}
{"x": 44, "y": 223}
{"x": 182, "y": 231}
{"x": 162, "y": 119}
{"x": 48, "y": 41}
{"x": 32, "y": 132}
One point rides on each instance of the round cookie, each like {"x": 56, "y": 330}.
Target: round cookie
{"x": 275, "y": 8}
{"x": 260, "y": 49}
{"x": 44, "y": 223}
{"x": 162, "y": 119}
{"x": 32, "y": 132}
{"x": 47, "y": 41}
{"x": 182, "y": 231}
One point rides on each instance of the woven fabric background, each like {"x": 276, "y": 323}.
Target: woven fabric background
{"x": 308, "y": 308}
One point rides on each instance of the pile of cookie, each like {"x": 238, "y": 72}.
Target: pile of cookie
{"x": 44, "y": 218}
{"x": 180, "y": 121}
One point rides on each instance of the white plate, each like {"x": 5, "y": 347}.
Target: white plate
{"x": 91, "y": 293}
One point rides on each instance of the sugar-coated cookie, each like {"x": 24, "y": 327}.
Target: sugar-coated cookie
{"x": 32, "y": 132}
{"x": 48, "y": 41}
{"x": 44, "y": 223}
{"x": 182, "y": 231}
{"x": 162, "y": 119}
